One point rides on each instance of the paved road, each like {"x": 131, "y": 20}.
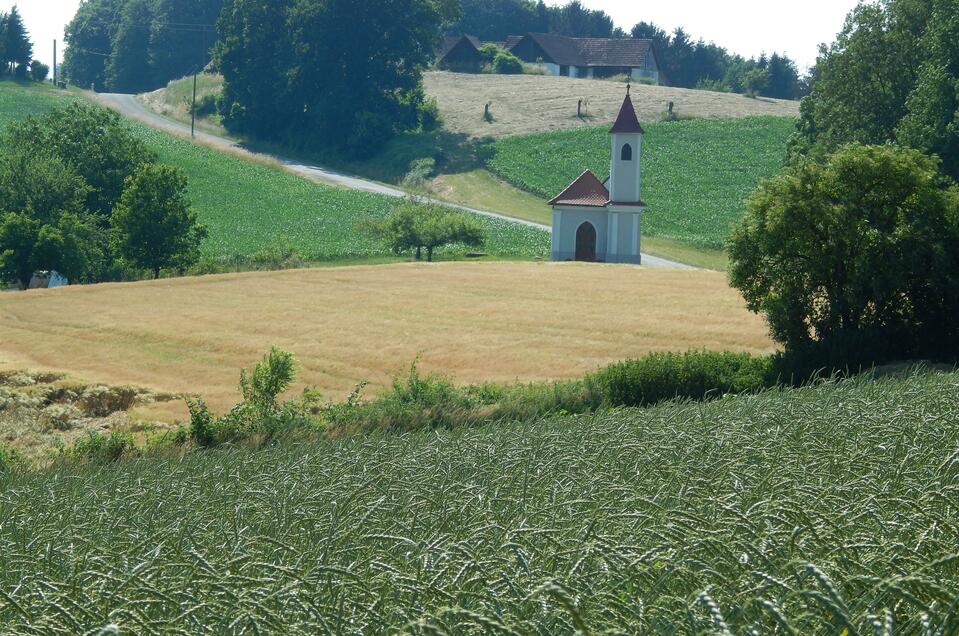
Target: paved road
{"x": 130, "y": 107}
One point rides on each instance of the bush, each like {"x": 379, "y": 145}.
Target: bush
{"x": 10, "y": 460}
{"x": 693, "y": 375}
{"x": 430, "y": 117}
{"x": 505, "y": 63}
{"x": 260, "y": 412}
{"x": 104, "y": 449}
{"x": 208, "y": 105}
{"x": 39, "y": 71}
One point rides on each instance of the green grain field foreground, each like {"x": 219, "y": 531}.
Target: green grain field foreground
{"x": 826, "y": 510}
{"x": 249, "y": 207}
{"x": 696, "y": 173}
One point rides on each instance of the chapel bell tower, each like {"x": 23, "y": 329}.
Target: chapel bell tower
{"x": 627, "y": 140}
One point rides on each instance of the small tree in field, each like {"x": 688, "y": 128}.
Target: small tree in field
{"x": 154, "y": 225}
{"x": 865, "y": 243}
{"x": 417, "y": 227}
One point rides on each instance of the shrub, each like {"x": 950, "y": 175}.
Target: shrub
{"x": 489, "y": 51}
{"x": 430, "y": 117}
{"x": 208, "y": 105}
{"x": 10, "y": 460}
{"x": 103, "y": 449}
{"x": 505, "y": 63}
{"x": 39, "y": 71}
{"x": 693, "y": 375}
{"x": 260, "y": 412}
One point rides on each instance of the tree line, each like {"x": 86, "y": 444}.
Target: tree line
{"x": 81, "y": 195}
{"x": 687, "y": 63}
{"x": 138, "y": 45}
{"x": 495, "y": 20}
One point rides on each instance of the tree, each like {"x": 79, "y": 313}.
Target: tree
{"x": 891, "y": 75}
{"x": 340, "y": 75}
{"x": 182, "y": 37}
{"x": 90, "y": 39}
{"x": 755, "y": 81}
{"x": 39, "y": 71}
{"x": 154, "y": 225}
{"x": 863, "y": 243}
{"x": 42, "y": 223}
{"x": 128, "y": 67}
{"x": 93, "y": 142}
{"x": 415, "y": 226}
{"x": 17, "y": 48}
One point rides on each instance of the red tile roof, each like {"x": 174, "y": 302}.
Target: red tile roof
{"x": 627, "y": 122}
{"x": 587, "y": 190}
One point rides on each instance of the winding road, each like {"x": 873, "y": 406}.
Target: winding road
{"x": 130, "y": 107}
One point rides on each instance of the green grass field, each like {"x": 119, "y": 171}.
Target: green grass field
{"x": 827, "y": 510}
{"x": 250, "y": 206}
{"x": 696, "y": 173}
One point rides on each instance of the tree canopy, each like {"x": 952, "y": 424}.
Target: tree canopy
{"x": 861, "y": 243}
{"x": 495, "y": 20}
{"x": 136, "y": 45}
{"x": 72, "y": 179}
{"x": 891, "y": 75}
{"x": 340, "y": 74}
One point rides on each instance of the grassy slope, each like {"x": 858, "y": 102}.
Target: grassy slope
{"x": 488, "y": 322}
{"x": 248, "y": 206}
{"x": 696, "y": 173}
{"x": 611, "y": 523}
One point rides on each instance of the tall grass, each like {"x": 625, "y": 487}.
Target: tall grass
{"x": 823, "y": 510}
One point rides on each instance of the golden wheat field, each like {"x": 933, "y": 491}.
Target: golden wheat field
{"x": 470, "y": 321}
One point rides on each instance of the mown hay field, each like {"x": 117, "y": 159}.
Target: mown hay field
{"x": 696, "y": 173}
{"x": 525, "y": 104}
{"x": 828, "y": 510}
{"x": 475, "y": 322}
{"x": 251, "y": 206}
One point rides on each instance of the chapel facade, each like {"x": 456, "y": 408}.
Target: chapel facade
{"x": 598, "y": 221}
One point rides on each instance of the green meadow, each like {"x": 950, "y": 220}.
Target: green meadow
{"x": 250, "y": 207}
{"x": 696, "y": 173}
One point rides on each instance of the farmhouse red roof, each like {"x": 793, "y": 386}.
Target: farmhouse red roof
{"x": 627, "y": 122}
{"x": 587, "y": 190}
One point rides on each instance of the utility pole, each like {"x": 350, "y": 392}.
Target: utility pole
{"x": 55, "y": 64}
{"x": 193, "y": 109}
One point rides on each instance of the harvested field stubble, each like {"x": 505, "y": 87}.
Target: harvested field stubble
{"x": 476, "y": 321}
{"x": 524, "y": 104}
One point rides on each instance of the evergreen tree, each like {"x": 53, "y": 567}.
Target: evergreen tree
{"x": 17, "y": 48}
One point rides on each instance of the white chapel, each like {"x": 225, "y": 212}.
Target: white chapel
{"x": 602, "y": 222}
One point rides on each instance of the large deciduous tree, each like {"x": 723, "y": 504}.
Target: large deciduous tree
{"x": 128, "y": 67}
{"x": 345, "y": 74}
{"x": 891, "y": 75}
{"x": 93, "y": 142}
{"x": 154, "y": 225}
{"x": 863, "y": 243}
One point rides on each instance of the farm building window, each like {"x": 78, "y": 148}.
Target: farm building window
{"x": 627, "y": 153}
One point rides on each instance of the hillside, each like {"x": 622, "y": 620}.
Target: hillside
{"x": 253, "y": 206}
{"x": 525, "y": 104}
{"x": 826, "y": 510}
{"x": 497, "y": 322}
{"x": 696, "y": 173}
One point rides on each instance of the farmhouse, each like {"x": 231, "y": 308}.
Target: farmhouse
{"x": 560, "y": 55}
{"x": 597, "y": 221}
